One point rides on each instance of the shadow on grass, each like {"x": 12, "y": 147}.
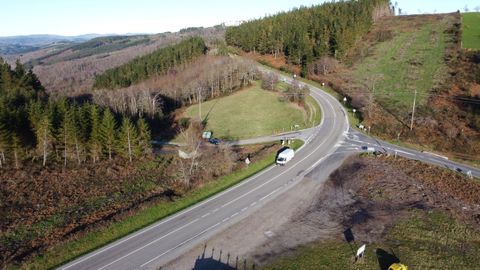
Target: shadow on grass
{"x": 205, "y": 120}
{"x": 386, "y": 259}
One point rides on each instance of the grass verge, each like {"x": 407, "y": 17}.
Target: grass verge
{"x": 471, "y": 30}
{"x": 423, "y": 240}
{"x": 70, "y": 250}
{"x": 313, "y": 111}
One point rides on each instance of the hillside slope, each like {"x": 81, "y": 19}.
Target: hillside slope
{"x": 69, "y": 70}
{"x": 402, "y": 59}
{"x": 415, "y": 58}
{"x": 329, "y": 29}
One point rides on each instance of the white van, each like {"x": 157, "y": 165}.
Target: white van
{"x": 285, "y": 156}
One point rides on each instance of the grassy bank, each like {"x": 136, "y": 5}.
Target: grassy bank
{"x": 314, "y": 112}
{"x": 249, "y": 113}
{"x": 411, "y": 61}
{"x": 95, "y": 239}
{"x": 423, "y": 240}
{"x": 471, "y": 30}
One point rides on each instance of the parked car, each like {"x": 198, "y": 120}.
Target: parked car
{"x": 368, "y": 149}
{"x": 215, "y": 141}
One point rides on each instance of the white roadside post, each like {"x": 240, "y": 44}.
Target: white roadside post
{"x": 361, "y": 253}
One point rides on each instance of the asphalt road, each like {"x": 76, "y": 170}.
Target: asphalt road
{"x": 355, "y": 140}
{"x": 152, "y": 247}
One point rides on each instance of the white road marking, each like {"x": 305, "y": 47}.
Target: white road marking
{"x": 144, "y": 246}
{"x": 400, "y": 151}
{"x": 179, "y": 245}
{"x": 269, "y": 194}
{"x": 244, "y": 209}
{"x": 206, "y": 215}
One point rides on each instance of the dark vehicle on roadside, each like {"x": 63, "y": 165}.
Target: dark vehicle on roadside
{"x": 214, "y": 141}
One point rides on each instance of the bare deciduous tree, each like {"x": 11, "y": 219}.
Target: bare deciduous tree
{"x": 269, "y": 80}
{"x": 324, "y": 65}
{"x": 207, "y": 77}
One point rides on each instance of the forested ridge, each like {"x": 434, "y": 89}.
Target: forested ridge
{"x": 32, "y": 127}
{"x": 158, "y": 62}
{"x": 307, "y": 33}
{"x": 204, "y": 78}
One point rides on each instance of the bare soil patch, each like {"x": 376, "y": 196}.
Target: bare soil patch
{"x": 370, "y": 195}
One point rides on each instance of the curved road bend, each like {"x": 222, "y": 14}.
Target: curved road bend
{"x": 357, "y": 139}
{"x": 165, "y": 240}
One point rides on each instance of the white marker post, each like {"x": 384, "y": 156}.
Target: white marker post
{"x": 361, "y": 252}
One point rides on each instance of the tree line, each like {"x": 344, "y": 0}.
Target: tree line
{"x": 204, "y": 78}
{"x": 32, "y": 126}
{"x": 294, "y": 92}
{"x": 307, "y": 33}
{"x": 158, "y": 62}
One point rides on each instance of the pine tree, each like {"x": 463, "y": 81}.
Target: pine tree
{"x": 16, "y": 149}
{"x": 35, "y": 111}
{"x": 4, "y": 143}
{"x": 44, "y": 135}
{"x": 128, "y": 138}
{"x": 107, "y": 132}
{"x": 95, "y": 143}
{"x": 68, "y": 133}
{"x": 144, "y": 137}
{"x": 82, "y": 118}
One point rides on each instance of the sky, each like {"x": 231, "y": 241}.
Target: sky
{"x": 76, "y": 17}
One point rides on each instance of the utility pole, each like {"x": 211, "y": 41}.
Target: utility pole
{"x": 373, "y": 79}
{"x": 413, "y": 109}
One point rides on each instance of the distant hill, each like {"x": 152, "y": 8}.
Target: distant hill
{"x": 28, "y": 43}
{"x": 68, "y": 67}
{"x": 42, "y": 40}
{"x": 98, "y": 45}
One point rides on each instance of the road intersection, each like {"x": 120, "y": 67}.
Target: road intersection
{"x": 159, "y": 243}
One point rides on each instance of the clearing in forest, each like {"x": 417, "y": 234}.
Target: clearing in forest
{"x": 249, "y": 113}
{"x": 411, "y": 60}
